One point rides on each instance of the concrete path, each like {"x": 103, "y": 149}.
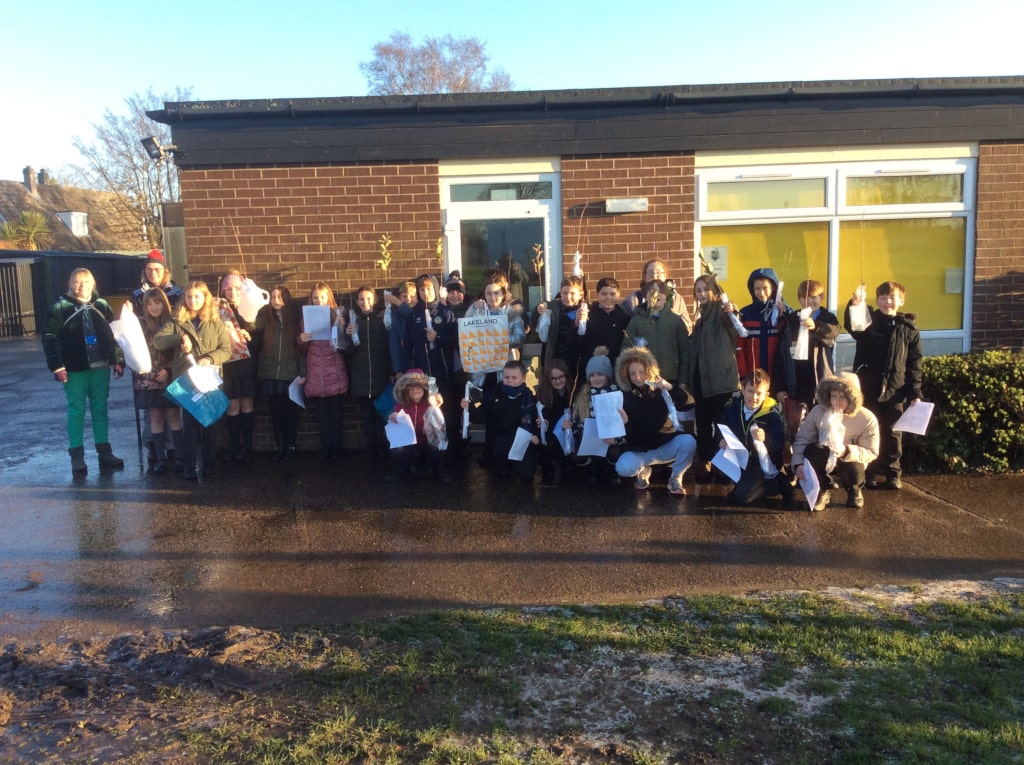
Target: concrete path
{"x": 271, "y": 544}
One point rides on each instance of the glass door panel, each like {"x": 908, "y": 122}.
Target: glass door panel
{"x": 508, "y": 243}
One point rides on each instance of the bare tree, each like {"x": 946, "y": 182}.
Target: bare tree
{"x": 440, "y": 65}
{"x": 116, "y": 162}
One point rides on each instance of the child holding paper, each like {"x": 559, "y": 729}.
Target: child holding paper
{"x": 888, "y": 363}
{"x": 837, "y": 440}
{"x": 821, "y": 328}
{"x": 553, "y": 399}
{"x": 412, "y": 397}
{"x": 755, "y": 418}
{"x": 599, "y": 381}
{"x": 651, "y": 439}
{"x": 326, "y": 376}
{"x": 505, "y": 410}
{"x": 195, "y": 331}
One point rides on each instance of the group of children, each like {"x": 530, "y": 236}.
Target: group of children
{"x": 764, "y": 371}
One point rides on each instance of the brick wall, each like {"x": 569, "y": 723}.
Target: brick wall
{"x": 999, "y": 248}
{"x": 299, "y": 225}
{"x": 618, "y": 245}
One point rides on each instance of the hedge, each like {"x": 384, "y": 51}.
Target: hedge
{"x": 978, "y": 424}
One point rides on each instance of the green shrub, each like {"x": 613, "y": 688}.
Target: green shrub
{"x": 978, "y": 424}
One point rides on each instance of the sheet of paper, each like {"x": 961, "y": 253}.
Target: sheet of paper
{"x": 295, "y": 393}
{"x": 606, "y": 412}
{"x": 915, "y": 418}
{"x": 591, "y": 444}
{"x": 401, "y": 433}
{"x": 316, "y": 320}
{"x": 725, "y": 460}
{"x": 205, "y": 379}
{"x": 520, "y": 445}
{"x": 810, "y": 485}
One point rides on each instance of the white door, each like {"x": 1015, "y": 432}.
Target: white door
{"x": 511, "y": 221}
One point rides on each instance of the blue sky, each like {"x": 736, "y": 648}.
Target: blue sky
{"x": 68, "y": 62}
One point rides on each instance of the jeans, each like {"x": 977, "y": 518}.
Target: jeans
{"x": 679, "y": 451}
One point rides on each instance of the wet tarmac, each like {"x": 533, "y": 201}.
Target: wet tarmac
{"x": 272, "y": 544}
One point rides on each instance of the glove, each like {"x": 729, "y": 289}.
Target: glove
{"x": 61, "y": 376}
{"x": 118, "y": 371}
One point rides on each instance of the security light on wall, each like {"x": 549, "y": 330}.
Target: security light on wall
{"x": 155, "y": 150}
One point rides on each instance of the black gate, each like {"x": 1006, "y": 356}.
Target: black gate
{"x": 17, "y": 313}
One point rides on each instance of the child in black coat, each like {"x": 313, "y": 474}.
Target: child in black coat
{"x": 505, "y": 410}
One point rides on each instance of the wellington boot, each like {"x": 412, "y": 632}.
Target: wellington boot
{"x": 160, "y": 465}
{"x": 178, "y": 439}
{"x": 78, "y": 466}
{"x": 107, "y": 458}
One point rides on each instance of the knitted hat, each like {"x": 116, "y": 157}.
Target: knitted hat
{"x": 455, "y": 286}
{"x": 155, "y": 256}
{"x": 600, "y": 363}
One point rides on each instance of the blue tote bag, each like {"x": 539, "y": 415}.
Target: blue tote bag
{"x": 207, "y": 407}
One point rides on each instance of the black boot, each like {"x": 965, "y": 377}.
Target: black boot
{"x": 248, "y": 426}
{"x": 107, "y": 458}
{"x": 234, "y": 423}
{"x": 160, "y": 465}
{"x": 78, "y": 466}
{"x": 178, "y": 439}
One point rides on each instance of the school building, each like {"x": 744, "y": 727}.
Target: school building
{"x": 921, "y": 181}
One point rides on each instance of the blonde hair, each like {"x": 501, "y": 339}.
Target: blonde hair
{"x": 209, "y": 310}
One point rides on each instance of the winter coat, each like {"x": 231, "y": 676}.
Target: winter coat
{"x": 369, "y": 363}
{"x": 564, "y": 340}
{"x": 427, "y": 429}
{"x": 504, "y": 414}
{"x": 160, "y": 361}
{"x": 713, "y": 354}
{"x": 326, "y": 375}
{"x": 435, "y": 359}
{"x": 768, "y": 417}
{"x": 68, "y": 324}
{"x": 667, "y": 338}
{"x": 172, "y": 290}
{"x": 861, "y": 426}
{"x": 647, "y": 422}
{"x": 803, "y": 377}
{"x": 766, "y": 324}
{"x": 605, "y": 328}
{"x": 280, "y": 356}
{"x": 676, "y": 302}
{"x": 398, "y": 336}
{"x": 210, "y": 340}
{"x": 888, "y": 357}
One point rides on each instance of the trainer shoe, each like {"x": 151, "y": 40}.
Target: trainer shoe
{"x": 677, "y": 489}
{"x": 643, "y": 479}
{"x": 824, "y": 498}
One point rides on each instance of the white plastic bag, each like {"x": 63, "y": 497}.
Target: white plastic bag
{"x": 860, "y": 317}
{"x": 801, "y": 348}
{"x": 129, "y": 335}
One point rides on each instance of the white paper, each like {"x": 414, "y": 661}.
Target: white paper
{"x": 543, "y": 424}
{"x": 316, "y": 320}
{"x": 401, "y": 433}
{"x": 606, "y": 408}
{"x": 810, "y": 485}
{"x": 295, "y": 393}
{"x": 734, "y": 457}
{"x": 591, "y": 444}
{"x": 205, "y": 379}
{"x": 465, "y": 413}
{"x": 520, "y": 445}
{"x": 915, "y": 418}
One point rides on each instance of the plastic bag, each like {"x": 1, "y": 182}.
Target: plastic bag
{"x": 860, "y": 316}
{"x": 207, "y": 408}
{"x": 801, "y": 348}
{"x": 129, "y": 335}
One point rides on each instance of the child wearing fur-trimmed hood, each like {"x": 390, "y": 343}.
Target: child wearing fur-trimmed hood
{"x": 413, "y": 397}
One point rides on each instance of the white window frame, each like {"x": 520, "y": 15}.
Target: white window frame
{"x": 962, "y": 167}
{"x": 824, "y": 173}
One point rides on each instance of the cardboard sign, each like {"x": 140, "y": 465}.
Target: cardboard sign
{"x": 483, "y": 343}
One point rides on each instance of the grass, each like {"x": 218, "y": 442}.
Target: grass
{"x": 796, "y": 679}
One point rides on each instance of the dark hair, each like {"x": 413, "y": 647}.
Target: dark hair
{"x": 757, "y": 378}
{"x": 545, "y": 393}
{"x": 514, "y": 364}
{"x": 889, "y": 288}
{"x": 607, "y": 281}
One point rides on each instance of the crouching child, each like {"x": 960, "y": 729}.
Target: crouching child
{"x": 412, "y": 396}
{"x": 503, "y": 411}
{"x": 837, "y": 440}
{"x": 651, "y": 437}
{"x": 756, "y": 417}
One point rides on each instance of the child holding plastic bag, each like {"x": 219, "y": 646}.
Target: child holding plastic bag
{"x": 413, "y": 398}
{"x": 195, "y": 332}
{"x": 149, "y": 387}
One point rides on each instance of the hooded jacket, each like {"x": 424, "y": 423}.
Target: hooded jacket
{"x": 713, "y": 352}
{"x": 768, "y": 417}
{"x": 766, "y": 323}
{"x": 888, "y": 357}
{"x": 68, "y": 322}
{"x": 666, "y": 337}
{"x": 426, "y": 431}
{"x": 861, "y": 426}
{"x": 369, "y": 363}
{"x": 210, "y": 340}
{"x": 647, "y": 423}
